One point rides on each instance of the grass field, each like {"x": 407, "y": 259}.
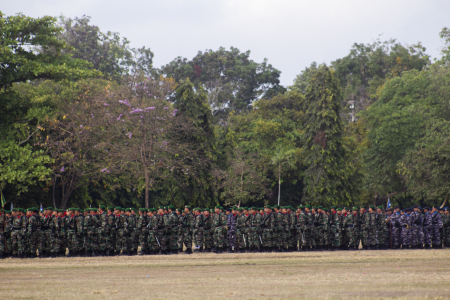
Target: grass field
{"x": 405, "y": 274}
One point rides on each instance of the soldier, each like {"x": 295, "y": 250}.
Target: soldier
{"x": 363, "y": 225}
{"x": 208, "y": 232}
{"x": 436, "y": 226}
{"x": 335, "y": 228}
{"x": 240, "y": 227}
{"x": 142, "y": 231}
{"x": 129, "y": 232}
{"x": 151, "y": 248}
{"x": 427, "y": 227}
{"x": 285, "y": 233}
{"x": 17, "y": 233}
{"x": 2, "y": 234}
{"x": 217, "y": 226}
{"x": 381, "y": 229}
{"x": 395, "y": 228}
{"x": 351, "y": 223}
{"x": 446, "y": 226}
{"x": 405, "y": 224}
{"x": 47, "y": 240}
{"x": 371, "y": 226}
{"x": 267, "y": 223}
{"x": 231, "y": 230}
{"x": 301, "y": 228}
{"x": 102, "y": 223}
{"x": 33, "y": 224}
{"x": 71, "y": 230}
{"x": 198, "y": 227}
{"x": 174, "y": 227}
{"x": 187, "y": 229}
{"x": 110, "y": 232}
{"x": 326, "y": 228}
{"x": 89, "y": 239}
{"x": 121, "y": 227}
{"x": 292, "y": 245}
{"x": 254, "y": 235}
{"x": 161, "y": 231}
{"x": 60, "y": 234}
{"x": 54, "y": 226}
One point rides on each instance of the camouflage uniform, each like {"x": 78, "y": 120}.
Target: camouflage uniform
{"x": 142, "y": 231}
{"x": 33, "y": 226}
{"x": 208, "y": 233}
{"x": 60, "y": 235}
{"x": 80, "y": 232}
{"x": 278, "y": 229}
{"x": 395, "y": 229}
{"x": 122, "y": 234}
{"x": 161, "y": 232}
{"x": 371, "y": 225}
{"x": 131, "y": 234}
{"x": 416, "y": 229}
{"x": 90, "y": 236}
{"x": 446, "y": 231}
{"x": 253, "y": 237}
{"x": 285, "y": 231}
{"x": 217, "y": 225}
{"x": 301, "y": 226}
{"x": 335, "y": 230}
{"x": 240, "y": 229}
{"x": 47, "y": 235}
{"x": 436, "y": 225}
{"x": 351, "y": 223}
{"x": 292, "y": 244}
{"x": 54, "y": 226}
{"x": 2, "y": 234}
{"x": 17, "y": 235}
{"x": 381, "y": 230}
{"x": 153, "y": 245}
{"x": 186, "y": 231}
{"x": 326, "y": 230}
{"x": 110, "y": 231}
{"x": 231, "y": 232}
{"x": 364, "y": 229}
{"x": 102, "y": 225}
{"x": 267, "y": 227}
{"x": 174, "y": 227}
{"x": 405, "y": 224}
{"x": 71, "y": 236}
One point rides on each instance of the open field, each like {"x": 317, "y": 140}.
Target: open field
{"x": 405, "y": 274}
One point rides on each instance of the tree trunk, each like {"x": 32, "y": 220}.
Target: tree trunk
{"x": 147, "y": 188}
{"x": 279, "y": 183}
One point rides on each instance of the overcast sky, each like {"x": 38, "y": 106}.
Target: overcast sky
{"x": 290, "y": 33}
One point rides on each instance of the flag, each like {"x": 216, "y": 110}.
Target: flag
{"x": 389, "y": 203}
{"x": 42, "y": 209}
{"x": 12, "y": 206}
{"x": 3, "y": 200}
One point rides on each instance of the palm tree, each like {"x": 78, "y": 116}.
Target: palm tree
{"x": 283, "y": 160}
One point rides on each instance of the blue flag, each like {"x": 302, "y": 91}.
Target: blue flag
{"x": 12, "y": 206}
{"x": 42, "y": 208}
{"x": 389, "y": 203}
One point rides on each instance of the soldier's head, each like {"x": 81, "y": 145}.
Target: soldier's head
{"x": 355, "y": 210}
{"x": 8, "y": 213}
{"x": 233, "y": 210}
{"x": 396, "y": 208}
{"x": 206, "y": 212}
{"x": 228, "y": 211}
{"x": 187, "y": 209}
{"x": 314, "y": 209}
{"x": 307, "y": 208}
{"x": 362, "y": 209}
{"x": 217, "y": 209}
{"x": 319, "y": 209}
{"x": 239, "y": 211}
{"x": 333, "y": 209}
{"x": 434, "y": 209}
{"x": 371, "y": 209}
{"x": 379, "y": 209}
{"x": 87, "y": 211}
{"x": 446, "y": 211}
{"x": 339, "y": 210}
{"x": 55, "y": 213}
{"x": 77, "y": 211}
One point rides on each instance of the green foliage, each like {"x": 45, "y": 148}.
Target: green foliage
{"x": 107, "y": 52}
{"x": 231, "y": 79}
{"x": 326, "y": 158}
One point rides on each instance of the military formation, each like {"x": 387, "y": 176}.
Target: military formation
{"x": 109, "y": 231}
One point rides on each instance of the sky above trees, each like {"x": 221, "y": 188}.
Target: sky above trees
{"x": 291, "y": 34}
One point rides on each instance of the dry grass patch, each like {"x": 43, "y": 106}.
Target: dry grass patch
{"x": 330, "y": 275}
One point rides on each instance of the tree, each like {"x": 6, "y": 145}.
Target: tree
{"x": 233, "y": 81}
{"x": 107, "y": 52}
{"x": 30, "y": 51}
{"x": 328, "y": 170}
{"x": 283, "y": 160}
{"x": 301, "y": 81}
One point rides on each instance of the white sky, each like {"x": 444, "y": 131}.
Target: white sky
{"x": 290, "y": 33}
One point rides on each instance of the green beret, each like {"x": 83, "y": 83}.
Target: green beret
{"x": 171, "y": 207}
{"x": 110, "y": 207}
{"x": 320, "y": 207}
{"x": 380, "y": 207}
{"x": 141, "y": 209}
{"x": 102, "y": 206}
{"x": 82, "y": 210}
{"x": 94, "y": 209}
{"x": 276, "y": 206}
{"x": 301, "y": 207}
{"x": 333, "y": 206}
{"x": 49, "y": 208}
{"x": 178, "y": 209}
{"x": 221, "y": 207}
{"x": 76, "y": 209}
{"x": 338, "y": 209}
{"x": 234, "y": 207}
{"x": 132, "y": 208}
{"x": 355, "y": 208}
{"x": 325, "y": 209}
{"x": 118, "y": 208}
{"x": 245, "y": 208}
{"x": 372, "y": 207}
{"x": 161, "y": 207}
{"x": 346, "y": 207}
{"x": 217, "y": 206}
{"x": 187, "y": 206}
{"x": 308, "y": 206}
{"x": 239, "y": 209}
{"x": 166, "y": 207}
{"x": 315, "y": 207}
{"x": 362, "y": 206}
{"x": 128, "y": 209}
{"x": 7, "y": 211}
{"x": 87, "y": 209}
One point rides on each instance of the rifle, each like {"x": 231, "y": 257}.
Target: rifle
{"x": 84, "y": 243}
{"x": 260, "y": 239}
{"x": 158, "y": 240}
{"x": 243, "y": 236}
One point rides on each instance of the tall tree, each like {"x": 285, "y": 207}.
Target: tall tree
{"x": 328, "y": 170}
{"x": 231, "y": 79}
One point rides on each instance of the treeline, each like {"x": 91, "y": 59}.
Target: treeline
{"x": 85, "y": 120}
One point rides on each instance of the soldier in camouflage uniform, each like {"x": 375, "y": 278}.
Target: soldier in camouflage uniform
{"x": 142, "y": 231}
{"x": 71, "y": 232}
{"x": 326, "y": 228}
{"x": 121, "y": 228}
{"x": 32, "y": 233}
{"x": 47, "y": 233}
{"x": 101, "y": 230}
{"x": 161, "y": 230}
{"x": 231, "y": 230}
{"x": 278, "y": 228}
{"x": 240, "y": 228}
{"x": 381, "y": 228}
{"x": 335, "y": 229}
{"x": 285, "y": 234}
{"x": 90, "y": 237}
{"x": 405, "y": 224}
{"x": 54, "y": 226}
{"x": 395, "y": 228}
{"x": 363, "y": 227}
{"x": 436, "y": 226}
{"x": 134, "y": 233}
{"x": 174, "y": 228}
{"x": 292, "y": 243}
{"x": 110, "y": 232}
{"x": 301, "y": 227}
{"x": 217, "y": 226}
{"x": 187, "y": 229}
{"x": 208, "y": 231}
{"x": 199, "y": 219}
{"x": 372, "y": 227}
{"x": 416, "y": 230}
{"x": 446, "y": 227}
{"x": 253, "y": 236}
{"x": 351, "y": 224}
{"x": 267, "y": 222}
{"x": 2, "y": 234}
{"x": 129, "y": 232}
{"x": 153, "y": 245}
{"x": 17, "y": 233}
